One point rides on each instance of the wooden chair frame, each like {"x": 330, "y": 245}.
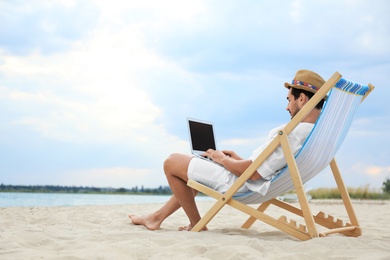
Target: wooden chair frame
{"x": 302, "y": 232}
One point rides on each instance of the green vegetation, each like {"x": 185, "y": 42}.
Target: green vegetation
{"x": 354, "y": 193}
{"x": 87, "y": 190}
{"x": 386, "y": 186}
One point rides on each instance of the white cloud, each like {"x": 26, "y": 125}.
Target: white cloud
{"x": 296, "y": 11}
{"x": 105, "y": 100}
{"x": 377, "y": 170}
{"x": 150, "y": 14}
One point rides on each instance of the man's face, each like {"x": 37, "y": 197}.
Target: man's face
{"x": 293, "y": 105}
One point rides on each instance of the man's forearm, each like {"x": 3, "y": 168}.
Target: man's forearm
{"x": 237, "y": 167}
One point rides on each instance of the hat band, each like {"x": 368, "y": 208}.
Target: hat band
{"x": 297, "y": 82}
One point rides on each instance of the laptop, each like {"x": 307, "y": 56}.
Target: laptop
{"x": 202, "y": 136}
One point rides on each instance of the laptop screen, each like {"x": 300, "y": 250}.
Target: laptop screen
{"x": 201, "y": 135}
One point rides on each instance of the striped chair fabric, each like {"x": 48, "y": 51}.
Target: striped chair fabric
{"x": 323, "y": 142}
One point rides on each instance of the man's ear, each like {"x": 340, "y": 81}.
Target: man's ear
{"x": 303, "y": 98}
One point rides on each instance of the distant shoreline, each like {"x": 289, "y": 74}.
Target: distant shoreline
{"x": 84, "y": 190}
{"x": 362, "y": 193}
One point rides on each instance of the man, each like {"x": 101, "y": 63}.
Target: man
{"x": 179, "y": 168}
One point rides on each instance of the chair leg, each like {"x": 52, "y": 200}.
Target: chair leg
{"x": 262, "y": 207}
{"x": 213, "y": 210}
{"x": 208, "y": 216}
{"x": 283, "y": 224}
{"x": 344, "y": 193}
{"x": 298, "y": 185}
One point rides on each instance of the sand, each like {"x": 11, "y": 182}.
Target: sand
{"x": 105, "y": 232}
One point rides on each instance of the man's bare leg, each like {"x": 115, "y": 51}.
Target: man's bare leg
{"x": 153, "y": 221}
{"x": 176, "y": 168}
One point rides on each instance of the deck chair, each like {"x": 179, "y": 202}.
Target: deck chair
{"x": 317, "y": 153}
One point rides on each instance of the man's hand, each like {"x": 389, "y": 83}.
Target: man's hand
{"x": 231, "y": 161}
{"x": 231, "y": 154}
{"x": 215, "y": 155}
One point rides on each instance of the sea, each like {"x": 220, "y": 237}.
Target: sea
{"x": 18, "y": 199}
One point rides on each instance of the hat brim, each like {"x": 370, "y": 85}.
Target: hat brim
{"x": 289, "y": 85}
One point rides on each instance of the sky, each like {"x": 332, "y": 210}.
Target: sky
{"x": 96, "y": 93}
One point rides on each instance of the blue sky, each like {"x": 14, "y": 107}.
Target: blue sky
{"x": 96, "y": 93}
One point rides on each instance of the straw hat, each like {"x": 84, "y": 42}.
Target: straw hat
{"x": 306, "y": 80}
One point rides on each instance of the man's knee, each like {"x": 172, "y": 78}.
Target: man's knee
{"x": 170, "y": 162}
{"x": 175, "y": 161}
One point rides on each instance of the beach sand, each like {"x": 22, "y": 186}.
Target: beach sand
{"x": 105, "y": 232}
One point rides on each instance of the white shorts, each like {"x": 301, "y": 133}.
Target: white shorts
{"x": 212, "y": 175}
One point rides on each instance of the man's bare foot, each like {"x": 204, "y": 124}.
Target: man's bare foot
{"x": 147, "y": 221}
{"x": 189, "y": 227}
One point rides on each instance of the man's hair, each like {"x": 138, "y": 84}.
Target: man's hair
{"x": 297, "y": 92}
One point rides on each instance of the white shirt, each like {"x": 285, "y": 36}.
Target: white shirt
{"x": 277, "y": 161}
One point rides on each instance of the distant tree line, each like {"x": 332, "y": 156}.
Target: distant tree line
{"x": 163, "y": 190}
